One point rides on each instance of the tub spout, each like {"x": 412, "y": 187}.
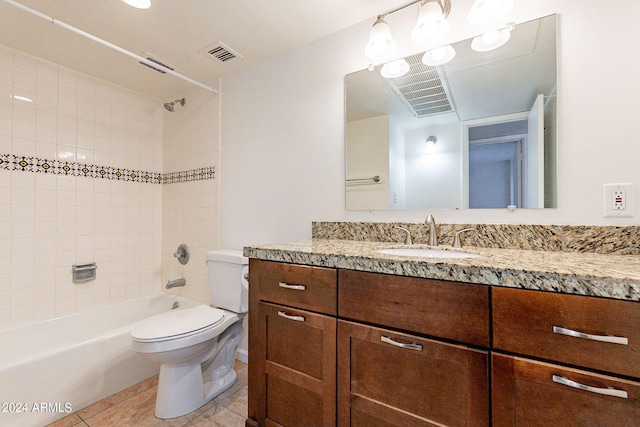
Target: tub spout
{"x": 175, "y": 283}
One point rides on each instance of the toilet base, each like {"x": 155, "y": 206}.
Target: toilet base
{"x": 181, "y": 388}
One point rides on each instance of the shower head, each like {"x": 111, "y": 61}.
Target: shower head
{"x": 169, "y": 105}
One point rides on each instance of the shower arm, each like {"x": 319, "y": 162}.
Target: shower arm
{"x": 108, "y": 44}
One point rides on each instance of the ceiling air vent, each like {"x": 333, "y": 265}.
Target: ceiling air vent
{"x": 220, "y": 52}
{"x": 155, "y": 60}
{"x": 422, "y": 89}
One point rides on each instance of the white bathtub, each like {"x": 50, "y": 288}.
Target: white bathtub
{"x": 51, "y": 368}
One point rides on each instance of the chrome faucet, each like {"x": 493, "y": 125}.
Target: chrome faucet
{"x": 407, "y": 240}
{"x": 433, "y": 234}
{"x": 456, "y": 238}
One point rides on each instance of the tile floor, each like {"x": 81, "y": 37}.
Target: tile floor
{"x": 133, "y": 407}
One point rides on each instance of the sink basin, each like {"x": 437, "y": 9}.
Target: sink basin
{"x": 426, "y": 253}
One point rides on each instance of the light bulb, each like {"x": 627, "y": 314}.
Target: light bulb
{"x": 490, "y": 40}
{"x": 395, "y": 69}
{"x": 439, "y": 56}
{"x": 490, "y": 37}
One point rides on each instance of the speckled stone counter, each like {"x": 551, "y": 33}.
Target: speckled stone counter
{"x": 602, "y": 275}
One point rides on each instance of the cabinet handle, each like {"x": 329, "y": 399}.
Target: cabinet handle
{"x": 603, "y": 338}
{"x": 290, "y": 317}
{"x": 400, "y": 344}
{"x": 599, "y": 390}
{"x": 294, "y": 287}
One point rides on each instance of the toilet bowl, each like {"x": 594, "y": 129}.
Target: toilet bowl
{"x": 196, "y": 346}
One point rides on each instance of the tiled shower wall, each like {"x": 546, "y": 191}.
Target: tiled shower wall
{"x": 190, "y": 207}
{"x": 80, "y": 172}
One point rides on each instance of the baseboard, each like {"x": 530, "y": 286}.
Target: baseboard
{"x": 242, "y": 355}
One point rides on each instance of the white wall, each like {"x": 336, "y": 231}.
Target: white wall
{"x": 282, "y": 136}
{"x": 434, "y": 171}
{"x": 368, "y": 156}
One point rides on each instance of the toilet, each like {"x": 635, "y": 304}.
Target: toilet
{"x": 196, "y": 346}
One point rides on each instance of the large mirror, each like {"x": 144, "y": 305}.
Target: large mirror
{"x": 476, "y": 132}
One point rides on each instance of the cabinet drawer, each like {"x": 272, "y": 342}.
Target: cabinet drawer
{"x": 299, "y": 366}
{"x": 426, "y": 383}
{"x": 309, "y": 288}
{"x": 530, "y": 393}
{"x": 545, "y": 325}
{"x": 450, "y": 310}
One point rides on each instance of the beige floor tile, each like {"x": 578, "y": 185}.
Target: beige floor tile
{"x": 114, "y": 399}
{"x": 218, "y": 416}
{"x": 137, "y": 411}
{"x": 134, "y": 407}
{"x": 71, "y": 420}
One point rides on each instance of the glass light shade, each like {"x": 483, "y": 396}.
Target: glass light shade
{"x": 381, "y": 44}
{"x": 439, "y": 56}
{"x": 491, "y": 40}
{"x": 430, "y": 23}
{"x": 487, "y": 11}
{"x": 139, "y": 4}
{"x": 395, "y": 69}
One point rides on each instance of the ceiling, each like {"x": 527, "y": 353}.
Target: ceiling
{"x": 176, "y": 32}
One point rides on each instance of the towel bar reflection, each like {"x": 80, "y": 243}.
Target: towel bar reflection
{"x": 363, "y": 181}
{"x": 83, "y": 272}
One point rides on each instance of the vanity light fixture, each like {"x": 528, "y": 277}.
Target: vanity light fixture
{"x": 487, "y": 11}
{"x": 432, "y": 139}
{"x": 492, "y": 39}
{"x": 394, "y": 69}
{"x": 439, "y": 56}
{"x": 431, "y": 22}
{"x": 139, "y": 4}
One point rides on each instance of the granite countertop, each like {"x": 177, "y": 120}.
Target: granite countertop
{"x": 601, "y": 275}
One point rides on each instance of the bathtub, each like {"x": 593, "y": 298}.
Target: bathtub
{"x": 51, "y": 368}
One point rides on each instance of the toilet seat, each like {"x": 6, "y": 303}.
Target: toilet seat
{"x": 177, "y": 324}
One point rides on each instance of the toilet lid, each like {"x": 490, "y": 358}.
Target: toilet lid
{"x": 176, "y": 322}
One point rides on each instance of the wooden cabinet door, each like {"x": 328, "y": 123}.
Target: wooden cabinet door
{"x": 296, "y": 368}
{"x": 596, "y": 333}
{"x": 527, "y": 393}
{"x": 387, "y": 378}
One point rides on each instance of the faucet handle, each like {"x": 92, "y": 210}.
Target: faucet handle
{"x": 408, "y": 240}
{"x": 456, "y": 238}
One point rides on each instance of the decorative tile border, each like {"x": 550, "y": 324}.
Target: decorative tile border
{"x": 58, "y": 167}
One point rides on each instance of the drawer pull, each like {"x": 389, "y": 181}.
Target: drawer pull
{"x": 294, "y": 287}
{"x": 603, "y": 338}
{"x": 290, "y": 317}
{"x": 599, "y": 390}
{"x": 400, "y": 344}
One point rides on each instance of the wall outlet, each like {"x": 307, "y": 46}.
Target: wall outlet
{"x": 618, "y": 200}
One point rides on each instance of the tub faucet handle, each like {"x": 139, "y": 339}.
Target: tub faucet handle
{"x": 182, "y": 254}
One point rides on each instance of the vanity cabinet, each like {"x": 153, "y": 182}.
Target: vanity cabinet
{"x": 585, "y": 333}
{"x": 334, "y": 347}
{"x": 292, "y": 345}
{"x": 391, "y": 378}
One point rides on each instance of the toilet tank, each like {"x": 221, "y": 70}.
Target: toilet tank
{"x": 228, "y": 285}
